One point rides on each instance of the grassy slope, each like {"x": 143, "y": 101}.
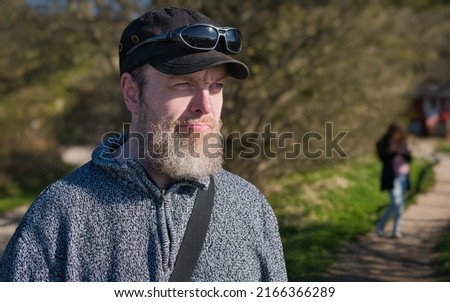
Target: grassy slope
{"x": 318, "y": 212}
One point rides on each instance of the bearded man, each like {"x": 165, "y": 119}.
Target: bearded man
{"x": 135, "y": 212}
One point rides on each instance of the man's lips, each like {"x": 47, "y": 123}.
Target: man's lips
{"x": 195, "y": 127}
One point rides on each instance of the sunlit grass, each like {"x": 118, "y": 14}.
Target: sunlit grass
{"x": 320, "y": 211}
{"x": 9, "y": 203}
{"x": 443, "y": 146}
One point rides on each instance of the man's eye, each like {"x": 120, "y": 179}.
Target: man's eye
{"x": 183, "y": 85}
{"x": 216, "y": 87}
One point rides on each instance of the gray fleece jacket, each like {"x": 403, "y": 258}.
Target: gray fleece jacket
{"x": 108, "y": 221}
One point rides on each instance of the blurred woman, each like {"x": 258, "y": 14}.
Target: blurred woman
{"x": 393, "y": 151}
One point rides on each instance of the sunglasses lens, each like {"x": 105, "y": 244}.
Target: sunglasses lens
{"x": 233, "y": 39}
{"x": 203, "y": 37}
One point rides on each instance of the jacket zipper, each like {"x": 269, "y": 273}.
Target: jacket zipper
{"x": 164, "y": 196}
{"x": 168, "y": 262}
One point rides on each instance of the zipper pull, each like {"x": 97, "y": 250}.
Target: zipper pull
{"x": 164, "y": 196}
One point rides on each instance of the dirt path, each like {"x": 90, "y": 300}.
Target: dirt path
{"x": 411, "y": 257}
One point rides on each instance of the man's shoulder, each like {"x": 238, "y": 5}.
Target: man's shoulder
{"x": 76, "y": 178}
{"x": 232, "y": 186}
{"x": 74, "y": 186}
{"x": 231, "y": 180}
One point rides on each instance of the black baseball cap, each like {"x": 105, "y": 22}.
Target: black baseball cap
{"x": 167, "y": 57}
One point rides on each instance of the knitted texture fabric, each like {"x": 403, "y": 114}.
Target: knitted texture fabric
{"x": 108, "y": 221}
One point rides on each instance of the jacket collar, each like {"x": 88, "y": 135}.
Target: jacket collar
{"x": 103, "y": 156}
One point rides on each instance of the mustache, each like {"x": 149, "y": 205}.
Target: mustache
{"x": 203, "y": 120}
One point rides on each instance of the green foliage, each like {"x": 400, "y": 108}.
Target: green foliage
{"x": 352, "y": 63}
{"x": 319, "y": 211}
{"x": 418, "y": 4}
{"x": 58, "y": 84}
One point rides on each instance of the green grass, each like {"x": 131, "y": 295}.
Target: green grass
{"x": 443, "y": 146}
{"x": 9, "y": 203}
{"x": 319, "y": 211}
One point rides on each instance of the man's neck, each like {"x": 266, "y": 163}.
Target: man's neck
{"x": 130, "y": 150}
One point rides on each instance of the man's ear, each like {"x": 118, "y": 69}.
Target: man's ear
{"x": 129, "y": 92}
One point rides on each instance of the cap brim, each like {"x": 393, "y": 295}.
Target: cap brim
{"x": 189, "y": 62}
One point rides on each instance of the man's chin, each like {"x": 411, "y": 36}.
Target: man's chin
{"x": 191, "y": 172}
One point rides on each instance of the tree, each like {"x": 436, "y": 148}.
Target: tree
{"x": 350, "y": 63}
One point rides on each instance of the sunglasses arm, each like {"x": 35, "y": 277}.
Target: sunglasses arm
{"x": 158, "y": 38}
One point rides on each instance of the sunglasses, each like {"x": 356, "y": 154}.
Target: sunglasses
{"x": 199, "y": 37}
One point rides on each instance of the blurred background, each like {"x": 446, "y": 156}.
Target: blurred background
{"x": 358, "y": 64}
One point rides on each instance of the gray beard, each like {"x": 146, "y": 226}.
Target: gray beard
{"x": 181, "y": 155}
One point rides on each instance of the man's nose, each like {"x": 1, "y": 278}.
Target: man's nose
{"x": 201, "y": 102}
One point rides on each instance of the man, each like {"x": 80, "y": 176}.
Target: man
{"x": 123, "y": 215}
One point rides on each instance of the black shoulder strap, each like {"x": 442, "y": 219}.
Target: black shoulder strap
{"x": 195, "y": 234}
